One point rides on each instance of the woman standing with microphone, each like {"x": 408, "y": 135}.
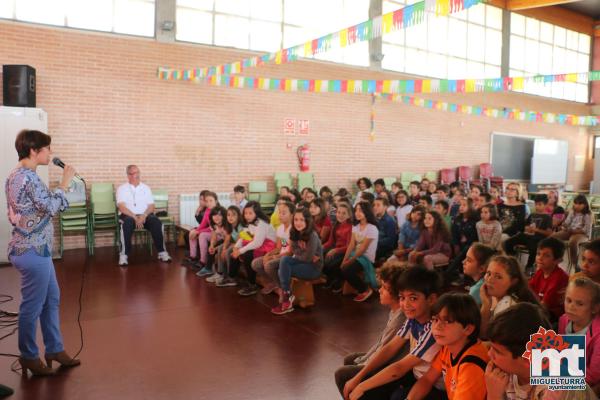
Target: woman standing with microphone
{"x": 31, "y": 206}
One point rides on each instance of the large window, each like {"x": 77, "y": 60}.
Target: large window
{"x": 134, "y": 17}
{"x": 540, "y": 48}
{"x": 467, "y": 44}
{"x": 269, "y": 25}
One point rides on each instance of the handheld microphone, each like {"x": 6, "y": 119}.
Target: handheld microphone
{"x": 58, "y": 162}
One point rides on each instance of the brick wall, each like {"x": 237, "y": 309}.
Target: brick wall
{"x": 106, "y": 109}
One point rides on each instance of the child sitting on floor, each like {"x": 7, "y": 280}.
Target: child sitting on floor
{"x": 462, "y": 361}
{"x": 505, "y": 285}
{"x": 507, "y": 375}
{"x": 582, "y": 317}
{"x": 388, "y": 276}
{"x": 418, "y": 290}
{"x": 475, "y": 266}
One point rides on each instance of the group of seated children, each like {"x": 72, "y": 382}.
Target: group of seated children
{"x": 350, "y": 241}
{"x": 451, "y": 347}
{"x": 431, "y": 346}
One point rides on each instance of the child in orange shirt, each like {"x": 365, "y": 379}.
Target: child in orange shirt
{"x": 462, "y": 361}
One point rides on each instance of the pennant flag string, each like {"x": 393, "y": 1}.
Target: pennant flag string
{"x": 372, "y": 131}
{"x": 500, "y": 113}
{"x": 386, "y": 86}
{"x": 373, "y": 28}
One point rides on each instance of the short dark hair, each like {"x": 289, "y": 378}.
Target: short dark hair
{"x": 557, "y": 246}
{"x": 444, "y": 203}
{"x": 368, "y": 197}
{"x": 379, "y": 181}
{"x": 593, "y": 246}
{"x": 427, "y": 199}
{"x": 239, "y": 189}
{"x": 486, "y": 196}
{"x": 323, "y": 190}
{"x": 512, "y": 327}
{"x": 443, "y": 188}
{"x": 398, "y": 185}
{"x": 390, "y": 273}
{"x": 28, "y": 140}
{"x": 415, "y": 183}
{"x": 385, "y": 201}
{"x": 541, "y": 198}
{"x": 421, "y": 280}
{"x": 287, "y": 203}
{"x": 303, "y": 204}
{"x": 461, "y": 307}
{"x": 483, "y": 253}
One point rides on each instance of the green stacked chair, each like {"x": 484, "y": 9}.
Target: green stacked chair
{"x": 283, "y": 179}
{"x": 161, "y": 206}
{"x": 306, "y": 180}
{"x": 388, "y": 182}
{"x": 255, "y": 188}
{"x": 258, "y": 192}
{"x": 567, "y": 198}
{"x": 406, "y": 178}
{"x": 103, "y": 210}
{"x": 76, "y": 219}
{"x": 432, "y": 176}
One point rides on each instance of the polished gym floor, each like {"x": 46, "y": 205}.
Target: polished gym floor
{"x": 156, "y": 331}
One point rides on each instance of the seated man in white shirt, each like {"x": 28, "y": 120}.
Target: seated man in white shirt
{"x": 136, "y": 211}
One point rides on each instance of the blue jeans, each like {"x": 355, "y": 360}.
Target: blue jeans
{"x": 40, "y": 299}
{"x": 292, "y": 267}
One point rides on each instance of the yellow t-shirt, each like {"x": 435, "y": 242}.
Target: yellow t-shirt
{"x": 275, "y": 219}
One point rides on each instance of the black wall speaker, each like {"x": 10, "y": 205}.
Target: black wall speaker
{"x": 18, "y": 85}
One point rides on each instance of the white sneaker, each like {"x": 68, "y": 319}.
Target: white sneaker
{"x": 123, "y": 259}
{"x": 214, "y": 278}
{"x": 164, "y": 256}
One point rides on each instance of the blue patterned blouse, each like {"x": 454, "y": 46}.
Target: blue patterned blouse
{"x": 31, "y": 206}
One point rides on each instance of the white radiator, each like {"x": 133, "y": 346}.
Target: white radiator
{"x": 188, "y": 203}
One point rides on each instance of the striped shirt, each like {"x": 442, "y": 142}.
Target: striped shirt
{"x": 422, "y": 345}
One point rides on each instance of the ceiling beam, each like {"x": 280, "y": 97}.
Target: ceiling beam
{"x": 515, "y": 5}
{"x": 562, "y": 17}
